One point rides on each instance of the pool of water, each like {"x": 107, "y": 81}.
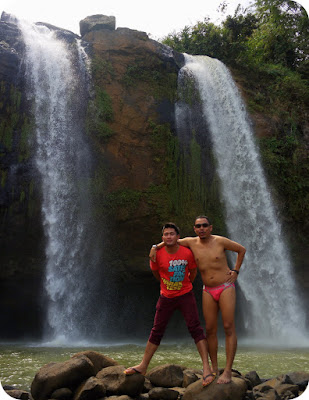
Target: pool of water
{"x": 19, "y": 363}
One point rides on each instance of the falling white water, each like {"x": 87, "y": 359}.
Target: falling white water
{"x": 273, "y": 307}
{"x": 56, "y": 83}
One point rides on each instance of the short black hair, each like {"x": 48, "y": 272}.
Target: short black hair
{"x": 203, "y": 216}
{"x": 171, "y": 225}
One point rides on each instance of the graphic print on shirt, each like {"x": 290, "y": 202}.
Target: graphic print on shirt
{"x": 178, "y": 270}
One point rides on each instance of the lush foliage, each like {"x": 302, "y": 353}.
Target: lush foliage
{"x": 100, "y": 112}
{"x": 271, "y": 31}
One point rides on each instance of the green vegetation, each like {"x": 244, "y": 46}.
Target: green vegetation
{"x": 162, "y": 82}
{"x": 268, "y": 32}
{"x": 288, "y": 163}
{"x": 102, "y": 70}
{"x": 100, "y": 113}
{"x": 100, "y": 109}
{"x": 15, "y": 128}
{"x": 186, "y": 190}
{"x": 124, "y": 201}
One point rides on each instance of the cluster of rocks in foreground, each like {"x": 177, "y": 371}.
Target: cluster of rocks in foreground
{"x": 90, "y": 375}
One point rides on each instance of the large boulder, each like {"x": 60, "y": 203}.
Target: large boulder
{"x": 92, "y": 389}
{"x": 161, "y": 393}
{"x": 278, "y": 387}
{"x": 97, "y": 22}
{"x": 235, "y": 390}
{"x": 168, "y": 375}
{"x": 62, "y": 394}
{"x": 254, "y": 378}
{"x": 98, "y": 360}
{"x": 53, "y": 376}
{"x": 118, "y": 383}
{"x": 190, "y": 376}
{"x": 299, "y": 378}
{"x": 18, "y": 394}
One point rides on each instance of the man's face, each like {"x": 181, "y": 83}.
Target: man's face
{"x": 202, "y": 228}
{"x": 170, "y": 237}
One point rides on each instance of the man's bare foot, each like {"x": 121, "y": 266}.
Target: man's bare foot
{"x": 135, "y": 370}
{"x": 226, "y": 377}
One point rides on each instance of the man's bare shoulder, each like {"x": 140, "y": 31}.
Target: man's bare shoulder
{"x": 219, "y": 238}
{"x": 227, "y": 243}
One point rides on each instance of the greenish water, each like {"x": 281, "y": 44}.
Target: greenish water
{"x": 19, "y": 363}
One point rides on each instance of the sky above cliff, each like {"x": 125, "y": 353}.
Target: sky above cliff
{"x": 157, "y": 18}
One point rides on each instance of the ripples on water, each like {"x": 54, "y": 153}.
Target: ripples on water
{"x": 19, "y": 364}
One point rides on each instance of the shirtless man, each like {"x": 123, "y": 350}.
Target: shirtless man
{"x": 218, "y": 290}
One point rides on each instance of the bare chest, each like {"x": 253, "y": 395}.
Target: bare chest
{"x": 210, "y": 257}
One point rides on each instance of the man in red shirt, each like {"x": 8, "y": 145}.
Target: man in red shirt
{"x": 175, "y": 269}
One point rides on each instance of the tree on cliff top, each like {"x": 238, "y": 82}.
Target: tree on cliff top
{"x": 270, "y": 31}
{"x": 282, "y": 34}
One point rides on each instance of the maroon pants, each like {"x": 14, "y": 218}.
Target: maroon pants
{"x": 165, "y": 309}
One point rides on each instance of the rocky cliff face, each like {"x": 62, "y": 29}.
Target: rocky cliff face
{"x": 142, "y": 176}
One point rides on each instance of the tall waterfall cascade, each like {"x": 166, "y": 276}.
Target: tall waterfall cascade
{"x": 273, "y": 309}
{"x": 57, "y": 86}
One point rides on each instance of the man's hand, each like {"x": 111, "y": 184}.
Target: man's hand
{"x": 232, "y": 276}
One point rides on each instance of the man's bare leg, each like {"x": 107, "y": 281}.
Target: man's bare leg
{"x": 142, "y": 367}
{"x": 207, "y": 373}
{"x": 210, "y": 311}
{"x": 227, "y": 303}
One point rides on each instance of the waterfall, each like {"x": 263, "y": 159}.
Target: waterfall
{"x": 57, "y": 86}
{"x": 273, "y": 308}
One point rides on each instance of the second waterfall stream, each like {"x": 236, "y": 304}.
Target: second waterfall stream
{"x": 273, "y": 309}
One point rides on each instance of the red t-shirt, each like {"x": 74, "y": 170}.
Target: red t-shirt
{"x": 174, "y": 271}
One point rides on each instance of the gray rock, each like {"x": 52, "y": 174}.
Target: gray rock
{"x": 285, "y": 390}
{"x": 97, "y": 22}
{"x": 63, "y": 394}
{"x": 98, "y": 360}
{"x": 298, "y": 377}
{"x": 168, "y": 375}
{"x": 190, "y": 376}
{"x": 253, "y": 378}
{"x": 92, "y": 389}
{"x": 143, "y": 396}
{"x": 54, "y": 376}
{"x": 117, "y": 383}
{"x": 147, "y": 385}
{"x": 18, "y": 394}
{"x": 266, "y": 392}
{"x": 235, "y": 390}
{"x": 162, "y": 393}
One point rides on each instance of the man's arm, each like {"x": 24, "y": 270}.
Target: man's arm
{"x": 153, "y": 251}
{"x": 241, "y": 251}
{"x": 156, "y": 275}
{"x": 186, "y": 242}
{"x": 183, "y": 242}
{"x": 192, "y": 274}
